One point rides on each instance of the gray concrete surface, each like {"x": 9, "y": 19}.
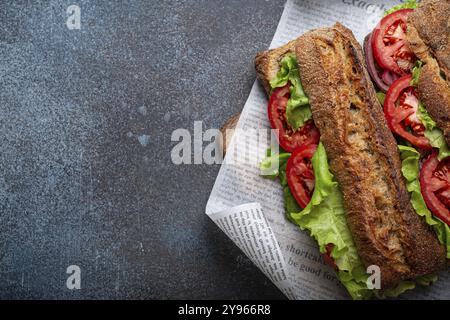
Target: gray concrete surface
{"x": 85, "y": 123}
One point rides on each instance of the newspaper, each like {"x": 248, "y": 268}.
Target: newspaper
{"x": 250, "y": 208}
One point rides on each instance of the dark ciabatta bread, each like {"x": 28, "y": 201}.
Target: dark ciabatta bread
{"x": 430, "y": 24}
{"x": 363, "y": 156}
{"x": 434, "y": 92}
{"x": 429, "y": 37}
{"x": 227, "y": 132}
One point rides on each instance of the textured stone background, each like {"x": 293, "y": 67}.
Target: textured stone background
{"x": 85, "y": 120}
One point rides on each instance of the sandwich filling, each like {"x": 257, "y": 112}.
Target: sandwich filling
{"x": 313, "y": 200}
{"x": 424, "y": 152}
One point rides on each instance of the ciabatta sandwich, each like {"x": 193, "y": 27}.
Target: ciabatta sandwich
{"x": 340, "y": 167}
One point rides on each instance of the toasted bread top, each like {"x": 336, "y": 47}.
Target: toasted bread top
{"x": 364, "y": 157}
{"x": 429, "y": 37}
{"x": 434, "y": 92}
{"x": 431, "y": 21}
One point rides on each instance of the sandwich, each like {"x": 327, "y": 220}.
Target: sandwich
{"x": 410, "y": 49}
{"x": 339, "y": 165}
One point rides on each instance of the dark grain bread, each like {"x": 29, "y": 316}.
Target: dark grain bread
{"x": 431, "y": 21}
{"x": 227, "y": 132}
{"x": 434, "y": 92}
{"x": 429, "y": 37}
{"x": 363, "y": 156}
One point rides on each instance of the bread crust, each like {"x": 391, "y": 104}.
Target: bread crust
{"x": 364, "y": 157}
{"x": 434, "y": 92}
{"x": 429, "y": 37}
{"x": 227, "y": 132}
{"x": 431, "y": 21}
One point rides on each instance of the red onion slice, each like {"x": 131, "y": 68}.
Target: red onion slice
{"x": 375, "y": 71}
{"x": 389, "y": 77}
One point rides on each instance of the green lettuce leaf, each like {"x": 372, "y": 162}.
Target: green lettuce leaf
{"x": 270, "y": 166}
{"x": 398, "y": 290}
{"x": 408, "y": 4}
{"x": 287, "y": 64}
{"x": 290, "y": 205}
{"x": 427, "y": 279}
{"x": 268, "y": 169}
{"x": 425, "y": 118}
{"x": 407, "y": 285}
{"x": 437, "y": 140}
{"x": 324, "y": 218}
{"x": 416, "y": 73}
{"x": 381, "y": 96}
{"x": 410, "y": 170}
{"x": 298, "y": 110}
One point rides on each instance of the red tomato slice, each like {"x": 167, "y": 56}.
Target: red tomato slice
{"x": 327, "y": 256}
{"x": 390, "y": 47}
{"x": 300, "y": 174}
{"x": 400, "y": 109}
{"x": 289, "y": 139}
{"x": 435, "y": 186}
